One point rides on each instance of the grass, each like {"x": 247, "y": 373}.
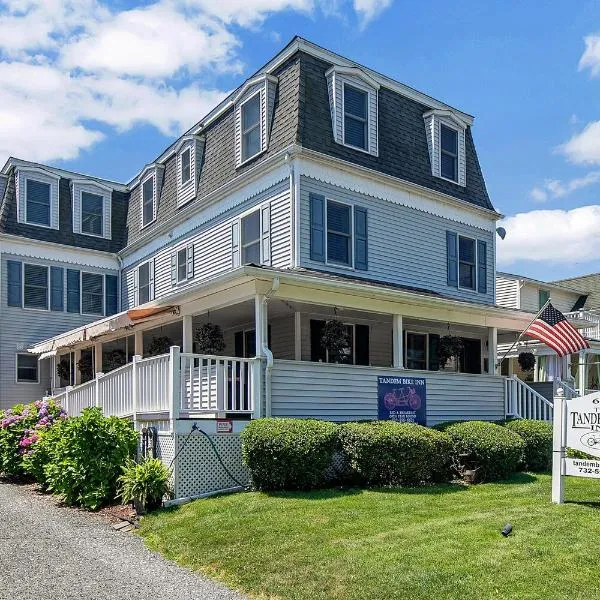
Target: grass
{"x": 436, "y": 543}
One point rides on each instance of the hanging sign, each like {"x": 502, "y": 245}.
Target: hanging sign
{"x": 402, "y": 399}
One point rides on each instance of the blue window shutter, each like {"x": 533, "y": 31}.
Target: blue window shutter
{"x": 452, "y": 253}
{"x": 317, "y": 227}
{"x": 57, "y": 289}
{"x": 481, "y": 267}
{"x": 361, "y": 260}
{"x": 73, "y": 291}
{"x": 15, "y": 283}
{"x": 111, "y": 295}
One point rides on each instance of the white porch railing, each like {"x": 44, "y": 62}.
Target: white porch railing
{"x": 587, "y": 316}
{"x": 176, "y": 384}
{"x": 523, "y": 402}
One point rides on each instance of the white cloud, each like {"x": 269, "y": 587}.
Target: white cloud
{"x": 584, "y": 147}
{"x": 554, "y": 188}
{"x": 551, "y": 236}
{"x": 591, "y": 55}
{"x": 369, "y": 9}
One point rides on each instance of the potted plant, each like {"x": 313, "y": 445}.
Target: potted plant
{"x": 335, "y": 339}
{"x": 209, "y": 339}
{"x": 113, "y": 360}
{"x": 159, "y": 345}
{"x": 86, "y": 367}
{"x": 450, "y": 347}
{"x": 526, "y": 361}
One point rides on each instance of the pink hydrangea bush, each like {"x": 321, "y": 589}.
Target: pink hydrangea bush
{"x": 20, "y": 430}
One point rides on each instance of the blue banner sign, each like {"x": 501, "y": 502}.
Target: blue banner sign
{"x": 402, "y": 399}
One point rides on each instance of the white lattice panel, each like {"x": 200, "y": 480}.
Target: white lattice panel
{"x": 198, "y": 469}
{"x": 165, "y": 448}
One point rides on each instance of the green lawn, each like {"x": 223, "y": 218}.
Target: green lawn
{"x": 434, "y": 543}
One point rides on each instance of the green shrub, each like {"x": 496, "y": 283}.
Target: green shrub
{"x": 288, "y": 454}
{"x": 389, "y": 453}
{"x": 146, "y": 482}
{"x": 445, "y": 424}
{"x": 85, "y": 455}
{"x": 537, "y": 436}
{"x": 493, "y": 451}
{"x": 20, "y": 429}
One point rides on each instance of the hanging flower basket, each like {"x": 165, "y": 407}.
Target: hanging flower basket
{"x": 209, "y": 339}
{"x": 526, "y": 361}
{"x": 159, "y": 345}
{"x": 63, "y": 369}
{"x": 113, "y": 360}
{"x": 335, "y": 339}
{"x": 450, "y": 347}
{"x": 86, "y": 367}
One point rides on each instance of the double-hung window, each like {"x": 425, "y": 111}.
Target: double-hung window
{"x": 339, "y": 233}
{"x": 448, "y": 152}
{"x": 92, "y": 214}
{"x": 251, "y": 138}
{"x": 38, "y": 202}
{"x": 181, "y": 265}
{"x": 92, "y": 294}
{"x": 466, "y": 262}
{"x": 35, "y": 287}
{"x": 144, "y": 283}
{"x": 27, "y": 368}
{"x": 186, "y": 166}
{"x": 355, "y": 117}
{"x": 148, "y": 201}
{"x": 251, "y": 238}
{"x": 543, "y": 297}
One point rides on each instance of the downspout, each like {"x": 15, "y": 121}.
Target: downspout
{"x": 267, "y": 351}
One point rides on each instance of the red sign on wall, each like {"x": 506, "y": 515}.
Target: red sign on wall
{"x": 224, "y": 426}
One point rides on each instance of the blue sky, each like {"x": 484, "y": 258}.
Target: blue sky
{"x": 103, "y": 87}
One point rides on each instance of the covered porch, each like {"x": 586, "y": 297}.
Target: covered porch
{"x": 147, "y": 363}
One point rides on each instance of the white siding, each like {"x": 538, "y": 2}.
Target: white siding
{"x": 561, "y": 299}
{"x": 345, "y": 393}
{"x": 507, "y": 292}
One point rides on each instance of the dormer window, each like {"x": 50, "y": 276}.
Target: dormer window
{"x": 186, "y": 166}
{"x": 355, "y": 117}
{"x": 189, "y": 152}
{"x": 148, "y": 201}
{"x": 91, "y": 213}
{"x": 353, "y": 103}
{"x": 92, "y": 205}
{"x": 37, "y": 197}
{"x": 446, "y": 133}
{"x": 254, "y": 105}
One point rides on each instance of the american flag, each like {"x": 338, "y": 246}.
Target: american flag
{"x": 552, "y": 328}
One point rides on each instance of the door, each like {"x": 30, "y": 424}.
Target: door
{"x": 471, "y": 356}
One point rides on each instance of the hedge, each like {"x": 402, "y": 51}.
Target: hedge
{"x": 491, "y": 450}
{"x": 386, "y": 453}
{"x": 537, "y": 435}
{"x": 288, "y": 454}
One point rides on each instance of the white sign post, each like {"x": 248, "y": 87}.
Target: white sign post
{"x": 576, "y": 426}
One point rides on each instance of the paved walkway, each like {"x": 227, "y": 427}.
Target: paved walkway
{"x": 53, "y": 553}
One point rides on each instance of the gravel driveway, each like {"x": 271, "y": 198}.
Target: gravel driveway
{"x": 50, "y": 552}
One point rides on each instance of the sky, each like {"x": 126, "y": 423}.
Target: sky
{"x": 102, "y": 87}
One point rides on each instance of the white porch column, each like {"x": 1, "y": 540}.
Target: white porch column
{"x": 398, "y": 336}
{"x": 97, "y": 357}
{"x": 297, "y": 336}
{"x": 138, "y": 343}
{"x": 492, "y": 349}
{"x": 260, "y": 322}
{"x": 188, "y": 334}
{"x": 582, "y": 373}
{"x": 76, "y": 359}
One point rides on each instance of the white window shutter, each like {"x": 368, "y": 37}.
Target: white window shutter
{"x": 190, "y": 261}
{"x": 151, "y": 268}
{"x": 265, "y": 234}
{"x": 174, "y": 269}
{"x": 136, "y": 288}
{"x": 235, "y": 244}
{"x": 76, "y": 209}
{"x": 106, "y": 214}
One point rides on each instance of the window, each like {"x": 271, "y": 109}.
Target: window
{"x": 543, "y": 297}
{"x": 355, "y": 117}
{"x": 339, "y": 233}
{"x": 186, "y": 166}
{"x": 57, "y": 288}
{"x": 35, "y": 288}
{"x": 466, "y": 263}
{"x": 144, "y": 283}
{"x": 357, "y": 352}
{"x": 27, "y": 368}
{"x": 416, "y": 351}
{"x": 15, "y": 287}
{"x": 449, "y": 153}
{"x": 251, "y": 238}
{"x": 111, "y": 300}
{"x": 38, "y": 202}
{"x": 148, "y": 201}
{"x": 73, "y": 291}
{"x": 251, "y": 141}
{"x": 182, "y": 265}
{"x": 92, "y": 214}
{"x": 92, "y": 294}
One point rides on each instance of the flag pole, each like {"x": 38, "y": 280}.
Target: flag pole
{"x": 523, "y": 332}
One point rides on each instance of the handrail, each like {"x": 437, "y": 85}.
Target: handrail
{"x": 523, "y": 402}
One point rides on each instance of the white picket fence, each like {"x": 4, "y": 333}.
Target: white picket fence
{"x": 175, "y": 383}
{"x": 523, "y": 402}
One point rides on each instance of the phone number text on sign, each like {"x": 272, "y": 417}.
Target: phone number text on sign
{"x": 582, "y": 468}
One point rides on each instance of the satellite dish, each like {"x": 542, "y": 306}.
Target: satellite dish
{"x": 501, "y": 232}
